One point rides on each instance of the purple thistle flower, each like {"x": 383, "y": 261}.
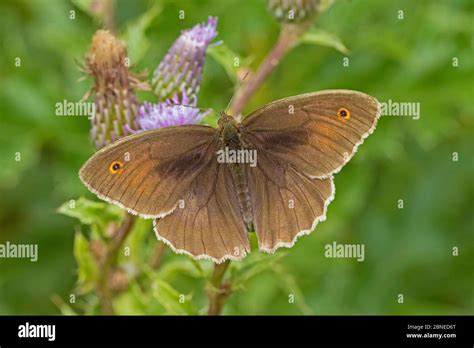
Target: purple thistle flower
{"x": 181, "y": 69}
{"x": 173, "y": 112}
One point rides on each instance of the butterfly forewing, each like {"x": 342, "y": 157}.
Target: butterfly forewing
{"x": 318, "y": 132}
{"x": 148, "y": 173}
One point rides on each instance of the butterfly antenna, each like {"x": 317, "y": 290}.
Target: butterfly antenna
{"x": 241, "y": 83}
{"x": 193, "y": 107}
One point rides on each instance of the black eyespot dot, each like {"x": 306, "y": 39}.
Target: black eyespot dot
{"x": 115, "y": 167}
{"x": 344, "y": 113}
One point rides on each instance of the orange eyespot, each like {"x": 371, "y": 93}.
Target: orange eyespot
{"x": 344, "y": 113}
{"x": 115, "y": 167}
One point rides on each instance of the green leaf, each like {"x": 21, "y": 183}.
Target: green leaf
{"x": 169, "y": 298}
{"x": 135, "y": 35}
{"x": 87, "y": 7}
{"x": 199, "y": 268}
{"x": 288, "y": 283}
{"x": 134, "y": 301}
{"x": 323, "y": 38}
{"x": 136, "y": 241}
{"x": 255, "y": 265}
{"x": 63, "y": 307}
{"x": 87, "y": 268}
{"x": 92, "y": 213}
{"x": 172, "y": 269}
{"x": 228, "y": 59}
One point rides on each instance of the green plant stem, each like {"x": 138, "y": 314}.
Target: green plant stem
{"x": 108, "y": 263}
{"x": 289, "y": 37}
{"x": 157, "y": 255}
{"x": 109, "y": 15}
{"x": 217, "y": 291}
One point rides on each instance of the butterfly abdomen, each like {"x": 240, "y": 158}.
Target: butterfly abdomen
{"x": 243, "y": 195}
{"x": 230, "y": 140}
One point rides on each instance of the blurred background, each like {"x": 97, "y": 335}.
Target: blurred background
{"x": 408, "y": 251}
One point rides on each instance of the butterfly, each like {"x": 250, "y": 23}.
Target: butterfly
{"x": 206, "y": 188}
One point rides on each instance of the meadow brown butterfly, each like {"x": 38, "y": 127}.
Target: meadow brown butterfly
{"x": 204, "y": 206}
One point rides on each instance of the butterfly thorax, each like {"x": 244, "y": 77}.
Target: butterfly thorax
{"x": 228, "y": 132}
{"x": 230, "y": 144}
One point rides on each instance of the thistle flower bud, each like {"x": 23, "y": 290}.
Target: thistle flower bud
{"x": 181, "y": 69}
{"x": 293, "y": 11}
{"x": 115, "y": 100}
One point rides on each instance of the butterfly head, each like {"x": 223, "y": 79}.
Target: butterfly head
{"x": 225, "y": 119}
{"x": 228, "y": 129}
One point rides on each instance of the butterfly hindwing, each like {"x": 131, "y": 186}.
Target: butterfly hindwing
{"x": 286, "y": 202}
{"x": 208, "y": 223}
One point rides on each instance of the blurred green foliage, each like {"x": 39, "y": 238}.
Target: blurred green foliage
{"x": 409, "y": 251}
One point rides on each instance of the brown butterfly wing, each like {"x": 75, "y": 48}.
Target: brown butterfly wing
{"x": 157, "y": 168}
{"x": 301, "y": 142}
{"x": 172, "y": 173}
{"x": 307, "y": 132}
{"x": 286, "y": 202}
{"x": 208, "y": 224}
